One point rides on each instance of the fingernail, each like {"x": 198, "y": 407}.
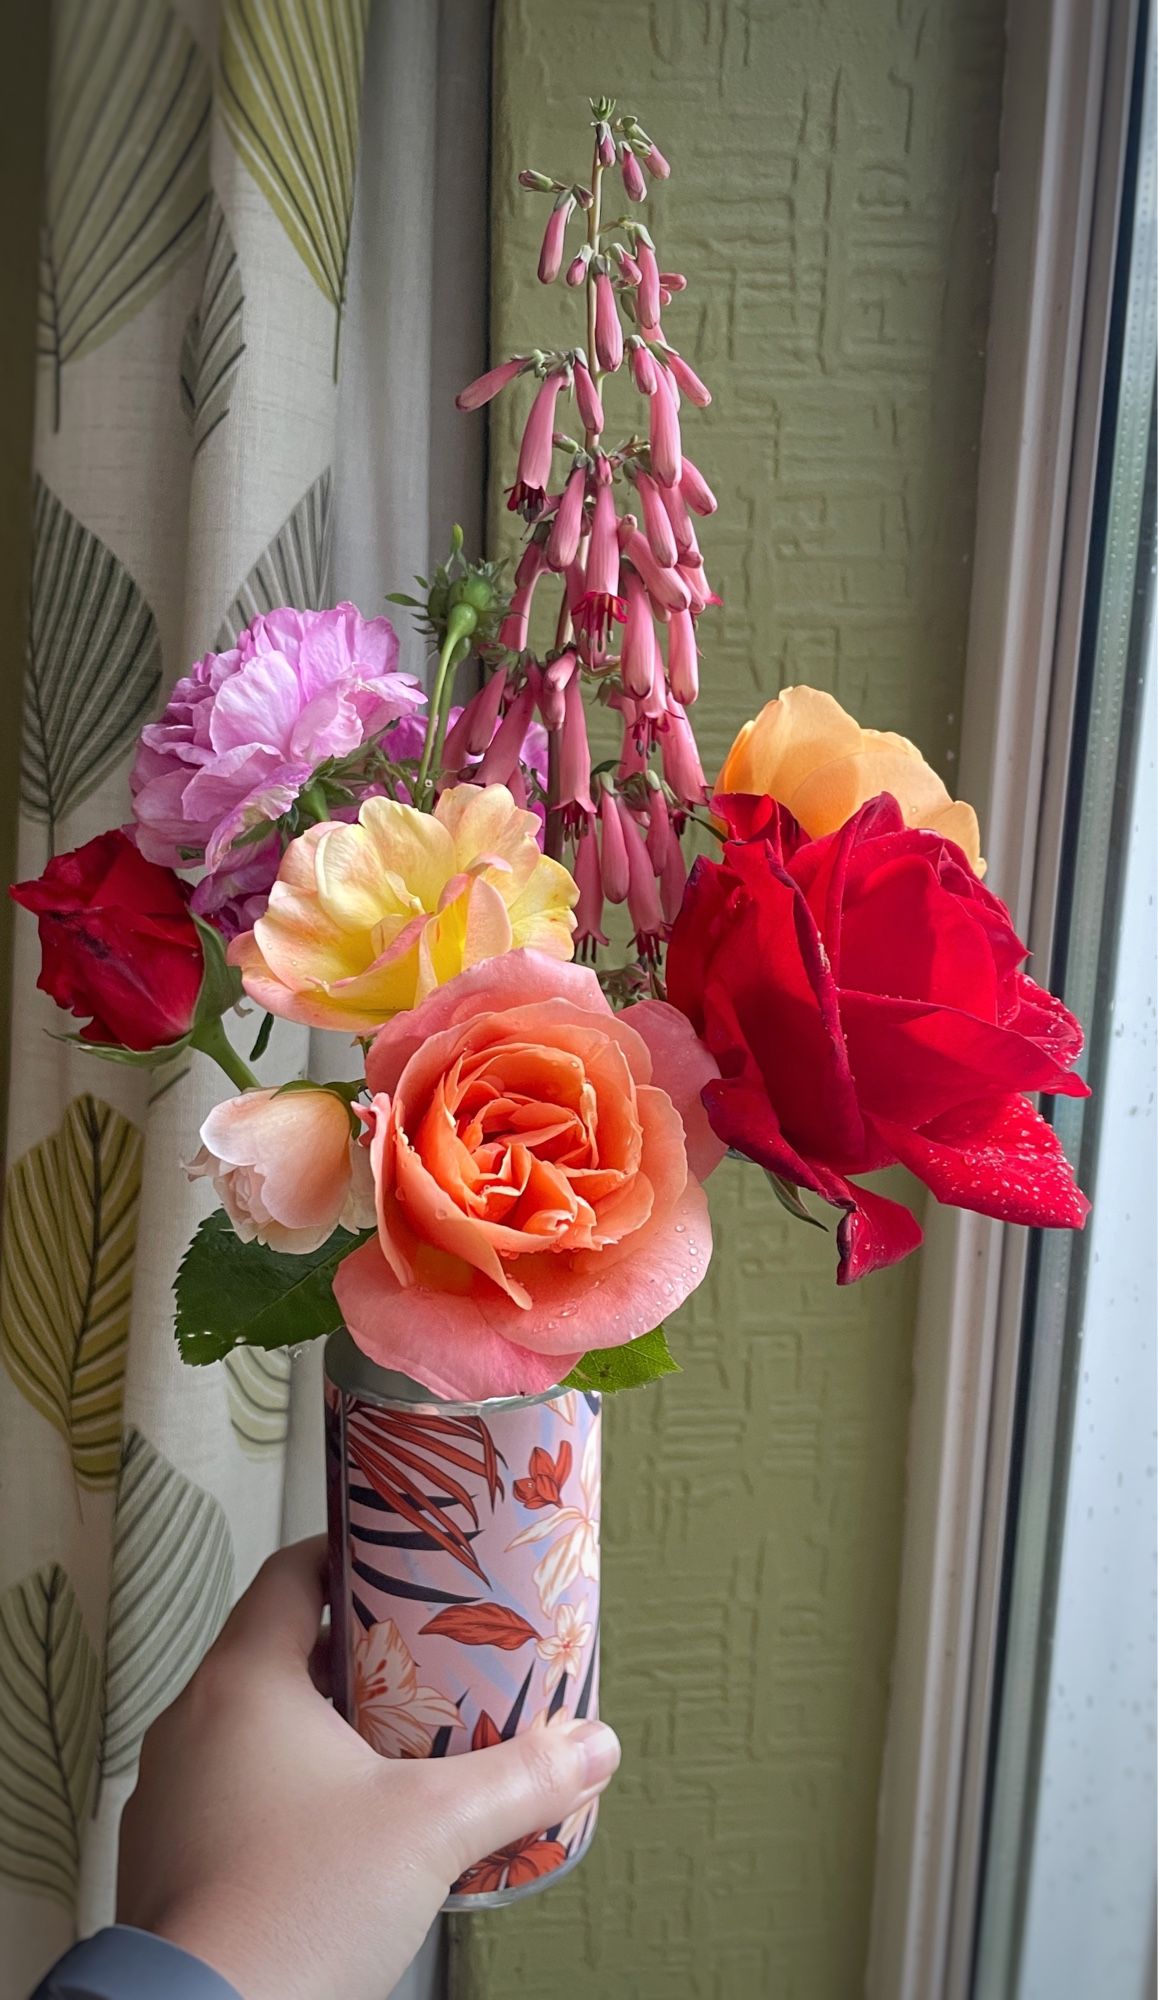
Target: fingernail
{"x": 601, "y": 1754}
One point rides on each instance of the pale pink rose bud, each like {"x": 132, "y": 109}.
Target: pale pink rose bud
{"x": 683, "y": 668}
{"x": 608, "y": 330}
{"x": 480, "y": 391}
{"x": 643, "y": 369}
{"x": 502, "y": 757}
{"x": 656, "y": 522}
{"x": 567, "y": 526}
{"x": 697, "y": 392}
{"x": 634, "y": 185}
{"x": 534, "y": 467}
{"x": 655, "y": 163}
{"x": 682, "y": 769}
{"x": 680, "y": 522}
{"x": 648, "y": 283}
{"x": 536, "y": 183}
{"x": 696, "y": 490}
{"x": 628, "y": 267}
{"x": 285, "y": 1168}
{"x": 642, "y": 889}
{"x": 574, "y": 750}
{"x": 637, "y": 652}
{"x": 664, "y": 434}
{"x": 667, "y": 586}
{"x": 673, "y": 881}
{"x": 659, "y": 827}
{"x": 577, "y": 268}
{"x": 605, "y": 144}
{"x": 589, "y": 908}
{"x": 554, "y": 237}
{"x": 612, "y": 850}
{"x": 673, "y": 281}
{"x": 587, "y": 399}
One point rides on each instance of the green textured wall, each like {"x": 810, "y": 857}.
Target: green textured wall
{"x": 830, "y": 200}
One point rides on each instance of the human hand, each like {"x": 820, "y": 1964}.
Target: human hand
{"x": 265, "y": 1837}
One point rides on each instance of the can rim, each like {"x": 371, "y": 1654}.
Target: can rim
{"x": 347, "y": 1368}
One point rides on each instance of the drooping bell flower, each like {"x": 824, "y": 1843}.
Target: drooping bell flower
{"x": 553, "y": 686}
{"x": 659, "y": 826}
{"x": 612, "y": 849}
{"x": 636, "y": 739}
{"x": 666, "y": 586}
{"x": 683, "y": 668}
{"x": 696, "y": 490}
{"x": 554, "y": 237}
{"x": 700, "y": 592}
{"x": 513, "y": 630}
{"x": 480, "y": 391}
{"x": 673, "y": 281}
{"x": 691, "y": 386}
{"x": 608, "y": 328}
{"x": 574, "y": 751}
{"x": 656, "y": 521}
{"x": 664, "y": 433}
{"x": 628, "y": 268}
{"x": 587, "y": 399}
{"x": 642, "y": 889}
{"x": 502, "y": 757}
{"x": 655, "y": 701}
{"x": 567, "y": 526}
{"x": 577, "y": 268}
{"x": 680, "y": 522}
{"x": 589, "y": 930}
{"x": 655, "y": 163}
{"x": 634, "y": 185}
{"x": 648, "y": 283}
{"x": 601, "y": 605}
{"x": 644, "y": 373}
{"x": 605, "y": 144}
{"x": 682, "y": 770}
{"x": 534, "y": 468}
{"x": 470, "y": 735}
{"x": 637, "y": 650}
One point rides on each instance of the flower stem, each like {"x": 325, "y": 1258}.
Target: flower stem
{"x": 210, "y": 1037}
{"x": 459, "y": 626}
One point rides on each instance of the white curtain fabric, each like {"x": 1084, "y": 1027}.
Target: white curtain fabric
{"x": 248, "y": 359}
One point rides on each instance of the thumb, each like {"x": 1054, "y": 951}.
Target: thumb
{"x": 489, "y": 1798}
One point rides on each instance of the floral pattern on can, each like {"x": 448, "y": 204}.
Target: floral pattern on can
{"x": 465, "y": 1550}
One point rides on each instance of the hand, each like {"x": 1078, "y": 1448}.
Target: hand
{"x": 269, "y": 1840}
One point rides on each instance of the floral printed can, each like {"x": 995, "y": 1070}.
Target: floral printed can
{"x": 464, "y": 1556}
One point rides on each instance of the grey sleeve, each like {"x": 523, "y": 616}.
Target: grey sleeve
{"x": 124, "y": 1964}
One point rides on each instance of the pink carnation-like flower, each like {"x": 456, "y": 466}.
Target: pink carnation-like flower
{"x": 246, "y": 730}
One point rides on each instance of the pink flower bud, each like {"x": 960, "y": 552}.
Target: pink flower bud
{"x": 603, "y": 553}
{"x": 697, "y": 392}
{"x": 479, "y": 717}
{"x": 502, "y": 756}
{"x": 587, "y": 399}
{"x": 513, "y": 630}
{"x": 683, "y": 670}
{"x": 673, "y": 881}
{"x": 680, "y": 523}
{"x": 608, "y": 330}
{"x": 657, "y": 525}
{"x": 480, "y": 391}
{"x": 530, "y": 565}
{"x": 643, "y": 368}
{"x": 634, "y": 185}
{"x": 648, "y": 283}
{"x": 612, "y": 850}
{"x": 696, "y": 490}
{"x": 577, "y": 268}
{"x": 663, "y": 434}
{"x": 642, "y": 891}
{"x": 628, "y": 267}
{"x": 659, "y": 827}
{"x": 536, "y": 183}
{"x": 553, "y": 688}
{"x": 588, "y": 877}
{"x": 666, "y": 586}
{"x": 700, "y": 592}
{"x": 664, "y": 296}
{"x": 682, "y": 769}
{"x": 554, "y": 237}
{"x": 637, "y": 652}
{"x": 534, "y": 467}
{"x": 574, "y": 750}
{"x": 605, "y": 144}
{"x": 567, "y": 526}
{"x": 655, "y": 163}
{"x": 673, "y": 281}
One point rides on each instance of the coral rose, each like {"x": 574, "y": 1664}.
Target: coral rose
{"x": 366, "y": 920}
{"x": 538, "y": 1194}
{"x": 805, "y": 751}
{"x": 286, "y": 1168}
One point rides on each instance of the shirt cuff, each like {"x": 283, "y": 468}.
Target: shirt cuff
{"x": 125, "y": 1964}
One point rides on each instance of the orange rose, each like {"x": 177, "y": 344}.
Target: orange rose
{"x": 537, "y": 1192}
{"x": 806, "y": 752}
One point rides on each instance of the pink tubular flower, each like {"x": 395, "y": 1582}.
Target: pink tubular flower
{"x": 605, "y": 144}
{"x": 601, "y": 604}
{"x": 673, "y": 281}
{"x": 637, "y": 651}
{"x": 483, "y": 711}
{"x": 554, "y": 236}
{"x": 608, "y": 330}
{"x": 642, "y": 891}
{"x": 696, "y": 490}
{"x": 633, "y": 747}
{"x": 612, "y": 848}
{"x": 655, "y": 163}
{"x": 513, "y": 630}
{"x": 700, "y": 592}
{"x": 690, "y": 384}
{"x": 683, "y": 673}
{"x": 683, "y": 533}
{"x": 553, "y": 688}
{"x": 534, "y": 467}
{"x": 682, "y": 770}
{"x": 589, "y": 909}
{"x": 643, "y": 369}
{"x": 244, "y": 732}
{"x": 634, "y": 185}
{"x": 285, "y": 1168}
{"x": 574, "y": 751}
{"x": 657, "y": 522}
{"x": 666, "y": 586}
{"x": 664, "y": 433}
{"x": 480, "y": 391}
{"x": 628, "y": 268}
{"x": 648, "y": 284}
{"x": 577, "y": 268}
{"x": 587, "y": 399}
{"x": 502, "y": 754}
{"x": 567, "y": 526}
{"x": 659, "y": 827}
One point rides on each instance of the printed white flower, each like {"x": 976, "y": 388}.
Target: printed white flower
{"x": 396, "y": 1716}
{"x": 573, "y": 1532}
{"x": 563, "y": 1649}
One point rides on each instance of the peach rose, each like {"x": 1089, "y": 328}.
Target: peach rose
{"x": 286, "y": 1168}
{"x": 538, "y": 1194}
{"x": 806, "y": 752}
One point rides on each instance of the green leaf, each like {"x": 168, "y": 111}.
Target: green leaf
{"x": 172, "y": 1584}
{"x": 213, "y": 345}
{"x": 66, "y": 1281}
{"x": 127, "y": 181}
{"x": 628, "y": 1367}
{"x": 232, "y": 1294}
{"x": 294, "y": 569}
{"x": 132, "y": 1058}
{"x": 94, "y": 663}
{"x": 221, "y": 986}
{"x": 257, "y": 1386}
{"x": 49, "y": 1728}
{"x": 788, "y": 1195}
{"x": 261, "y": 1039}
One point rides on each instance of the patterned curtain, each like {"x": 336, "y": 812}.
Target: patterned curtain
{"x": 216, "y": 343}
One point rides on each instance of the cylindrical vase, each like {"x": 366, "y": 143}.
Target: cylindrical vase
{"x": 464, "y": 1590}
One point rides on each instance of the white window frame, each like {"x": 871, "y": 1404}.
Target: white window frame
{"x": 1064, "y": 117}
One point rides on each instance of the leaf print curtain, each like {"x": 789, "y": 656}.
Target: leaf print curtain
{"x": 261, "y": 281}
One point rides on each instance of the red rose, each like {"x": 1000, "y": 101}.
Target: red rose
{"x": 117, "y": 942}
{"x": 862, "y": 996}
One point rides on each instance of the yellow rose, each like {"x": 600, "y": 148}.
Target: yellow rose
{"x": 366, "y": 920}
{"x": 806, "y": 752}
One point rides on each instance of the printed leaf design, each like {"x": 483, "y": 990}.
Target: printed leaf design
{"x": 257, "y": 1384}
{"x": 481, "y": 1625}
{"x": 172, "y": 1584}
{"x": 232, "y": 1294}
{"x": 401, "y": 1455}
{"x": 94, "y": 662}
{"x": 49, "y": 1727}
{"x": 66, "y": 1281}
{"x": 128, "y": 168}
{"x": 213, "y": 345}
{"x": 291, "y": 84}
{"x": 485, "y": 1733}
{"x": 295, "y": 568}
{"x": 606, "y": 1369}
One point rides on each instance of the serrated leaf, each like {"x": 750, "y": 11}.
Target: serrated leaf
{"x": 607, "y": 1369}
{"x": 294, "y": 569}
{"x": 213, "y": 345}
{"x": 66, "y": 1281}
{"x": 788, "y": 1195}
{"x": 233, "y": 1294}
{"x": 127, "y": 180}
{"x": 172, "y": 1585}
{"x": 94, "y": 663}
{"x": 49, "y": 1729}
{"x": 257, "y": 1385}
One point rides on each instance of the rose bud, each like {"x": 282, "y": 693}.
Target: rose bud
{"x": 286, "y": 1168}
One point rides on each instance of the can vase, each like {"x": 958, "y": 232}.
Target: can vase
{"x": 464, "y": 1581}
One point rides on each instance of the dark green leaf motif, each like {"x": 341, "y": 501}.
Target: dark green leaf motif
{"x": 233, "y": 1294}
{"x": 94, "y": 663}
{"x": 294, "y": 569}
{"x": 49, "y": 1730}
{"x": 213, "y": 345}
{"x": 127, "y": 178}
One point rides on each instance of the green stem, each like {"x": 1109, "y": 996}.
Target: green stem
{"x": 460, "y": 625}
{"x": 213, "y": 1041}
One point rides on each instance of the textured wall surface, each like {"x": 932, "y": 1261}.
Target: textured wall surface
{"x": 830, "y": 200}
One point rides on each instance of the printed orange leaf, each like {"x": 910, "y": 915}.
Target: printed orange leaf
{"x": 485, "y": 1734}
{"x": 482, "y": 1625}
